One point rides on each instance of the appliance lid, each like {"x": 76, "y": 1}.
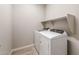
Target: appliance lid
{"x": 49, "y": 34}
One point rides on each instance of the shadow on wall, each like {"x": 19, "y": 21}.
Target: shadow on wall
{"x": 73, "y": 46}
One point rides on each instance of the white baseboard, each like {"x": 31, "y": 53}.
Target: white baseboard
{"x": 21, "y": 48}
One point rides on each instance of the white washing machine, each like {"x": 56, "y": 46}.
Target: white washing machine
{"x": 52, "y": 42}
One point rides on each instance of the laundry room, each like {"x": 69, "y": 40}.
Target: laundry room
{"x": 39, "y": 29}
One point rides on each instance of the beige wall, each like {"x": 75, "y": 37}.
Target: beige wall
{"x": 26, "y": 19}
{"x": 5, "y": 29}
